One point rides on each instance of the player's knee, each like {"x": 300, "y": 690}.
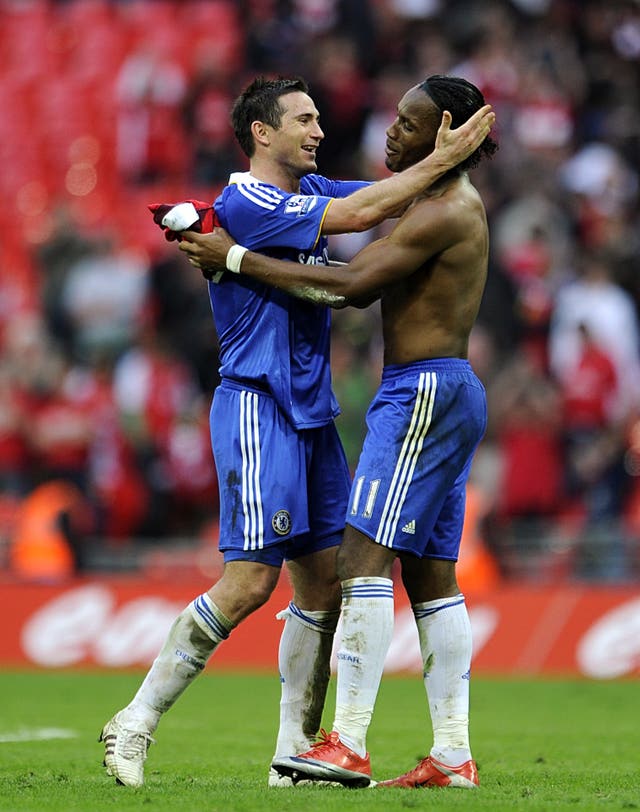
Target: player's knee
{"x": 359, "y": 556}
{"x": 243, "y": 589}
{"x": 257, "y": 593}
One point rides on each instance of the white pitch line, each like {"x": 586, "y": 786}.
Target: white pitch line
{"x": 37, "y": 734}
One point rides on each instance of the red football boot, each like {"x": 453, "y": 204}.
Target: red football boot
{"x": 433, "y": 773}
{"x": 327, "y": 760}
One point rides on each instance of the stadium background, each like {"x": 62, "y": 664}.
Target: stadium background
{"x": 107, "y": 349}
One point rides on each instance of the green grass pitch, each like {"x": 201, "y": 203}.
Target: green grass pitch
{"x": 540, "y": 745}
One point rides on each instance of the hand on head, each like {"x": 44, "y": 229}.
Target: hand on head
{"x": 459, "y": 143}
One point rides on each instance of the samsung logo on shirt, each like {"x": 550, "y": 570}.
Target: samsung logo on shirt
{"x": 305, "y": 258}
{"x": 299, "y": 204}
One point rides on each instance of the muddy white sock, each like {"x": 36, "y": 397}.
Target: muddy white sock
{"x": 304, "y": 659}
{"x": 367, "y": 628}
{"x": 195, "y": 633}
{"x": 445, "y": 643}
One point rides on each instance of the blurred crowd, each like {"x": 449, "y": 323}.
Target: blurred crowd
{"x": 108, "y": 354}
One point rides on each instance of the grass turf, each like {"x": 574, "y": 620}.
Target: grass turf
{"x": 540, "y": 745}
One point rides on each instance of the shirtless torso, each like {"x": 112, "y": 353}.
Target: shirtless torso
{"x": 430, "y": 312}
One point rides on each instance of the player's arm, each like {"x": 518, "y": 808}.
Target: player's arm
{"x": 389, "y": 197}
{"x": 411, "y": 243}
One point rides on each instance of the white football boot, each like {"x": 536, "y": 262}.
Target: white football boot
{"x": 125, "y": 751}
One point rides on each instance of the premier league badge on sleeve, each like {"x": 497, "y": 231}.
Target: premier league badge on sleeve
{"x": 281, "y": 522}
{"x": 300, "y": 204}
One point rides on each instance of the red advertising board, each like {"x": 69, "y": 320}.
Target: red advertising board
{"x": 518, "y": 628}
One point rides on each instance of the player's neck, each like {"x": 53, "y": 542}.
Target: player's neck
{"x": 275, "y": 174}
{"x": 445, "y": 183}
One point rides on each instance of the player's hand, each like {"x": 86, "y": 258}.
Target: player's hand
{"x": 456, "y": 145}
{"x": 208, "y": 252}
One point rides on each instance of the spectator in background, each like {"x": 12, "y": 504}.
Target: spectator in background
{"x": 212, "y": 149}
{"x": 275, "y": 41}
{"x": 341, "y": 91}
{"x": 525, "y": 421}
{"x": 103, "y": 299}
{"x": 118, "y": 488}
{"x": 174, "y": 290}
{"x": 15, "y": 462}
{"x": 150, "y": 88}
{"x": 61, "y": 423}
{"x": 156, "y": 393}
{"x": 525, "y": 418}
{"x": 190, "y": 478}
{"x": 65, "y": 247}
{"x": 589, "y": 388}
{"x": 51, "y": 524}
{"x": 594, "y": 300}
{"x": 594, "y": 446}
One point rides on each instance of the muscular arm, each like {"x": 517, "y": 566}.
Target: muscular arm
{"x": 413, "y": 240}
{"x": 388, "y": 198}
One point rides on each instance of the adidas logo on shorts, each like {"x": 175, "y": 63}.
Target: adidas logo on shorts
{"x": 410, "y": 527}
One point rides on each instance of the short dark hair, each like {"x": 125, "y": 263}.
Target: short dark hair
{"x": 260, "y": 101}
{"x": 462, "y": 100}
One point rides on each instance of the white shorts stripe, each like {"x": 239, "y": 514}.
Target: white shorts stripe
{"x": 250, "y": 450}
{"x": 408, "y": 458}
{"x": 258, "y": 492}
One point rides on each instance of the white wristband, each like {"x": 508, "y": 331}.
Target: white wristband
{"x": 234, "y": 257}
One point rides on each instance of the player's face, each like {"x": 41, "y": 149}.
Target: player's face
{"x": 412, "y": 136}
{"x": 295, "y": 143}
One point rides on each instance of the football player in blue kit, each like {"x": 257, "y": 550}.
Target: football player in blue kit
{"x": 424, "y": 424}
{"x": 283, "y": 476}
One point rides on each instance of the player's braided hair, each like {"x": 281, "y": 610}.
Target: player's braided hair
{"x": 461, "y": 99}
{"x": 260, "y": 101}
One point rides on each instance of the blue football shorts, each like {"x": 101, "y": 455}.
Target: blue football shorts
{"x": 283, "y": 493}
{"x": 424, "y": 425}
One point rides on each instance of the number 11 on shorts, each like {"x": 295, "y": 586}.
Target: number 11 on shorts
{"x": 371, "y": 497}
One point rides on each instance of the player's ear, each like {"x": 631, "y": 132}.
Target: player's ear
{"x": 260, "y": 133}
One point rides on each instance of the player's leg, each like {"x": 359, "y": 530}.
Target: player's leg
{"x": 253, "y": 558}
{"x": 305, "y": 648}
{"x": 312, "y": 616}
{"x": 192, "y": 639}
{"x": 367, "y": 626}
{"x": 364, "y": 568}
{"x": 444, "y": 631}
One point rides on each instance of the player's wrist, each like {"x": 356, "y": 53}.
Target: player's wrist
{"x": 234, "y": 258}
{"x": 439, "y": 161}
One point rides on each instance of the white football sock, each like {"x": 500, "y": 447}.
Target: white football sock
{"x": 445, "y": 643}
{"x": 367, "y": 628}
{"x": 191, "y": 640}
{"x": 304, "y": 659}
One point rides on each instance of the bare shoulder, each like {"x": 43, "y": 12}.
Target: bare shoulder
{"x": 443, "y": 217}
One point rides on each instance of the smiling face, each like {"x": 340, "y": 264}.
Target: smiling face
{"x": 293, "y": 145}
{"x": 412, "y": 136}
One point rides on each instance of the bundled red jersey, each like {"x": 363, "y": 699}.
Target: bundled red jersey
{"x": 174, "y": 218}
